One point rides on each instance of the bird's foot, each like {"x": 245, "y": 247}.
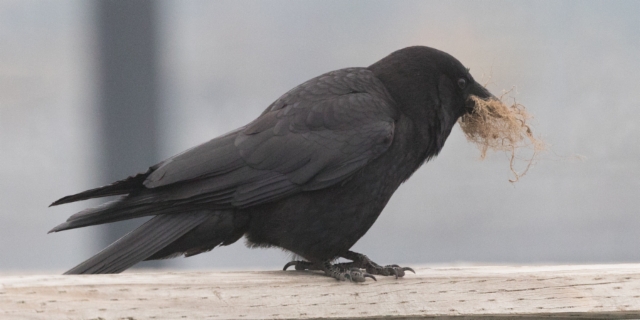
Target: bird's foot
{"x": 363, "y": 262}
{"x": 336, "y": 271}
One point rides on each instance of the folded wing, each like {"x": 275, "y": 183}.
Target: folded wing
{"x": 316, "y": 135}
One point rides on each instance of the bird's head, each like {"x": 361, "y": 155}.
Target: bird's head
{"x": 427, "y": 82}
{"x": 432, "y": 89}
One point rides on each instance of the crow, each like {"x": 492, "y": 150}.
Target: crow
{"x": 310, "y": 175}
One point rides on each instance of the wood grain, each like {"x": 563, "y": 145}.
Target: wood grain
{"x": 575, "y": 291}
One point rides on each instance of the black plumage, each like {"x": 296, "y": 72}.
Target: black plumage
{"x": 311, "y": 174}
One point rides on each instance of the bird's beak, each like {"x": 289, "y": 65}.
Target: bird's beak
{"x": 480, "y": 92}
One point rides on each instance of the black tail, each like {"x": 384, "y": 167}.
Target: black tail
{"x": 124, "y": 186}
{"x": 120, "y": 209}
{"x": 141, "y": 243}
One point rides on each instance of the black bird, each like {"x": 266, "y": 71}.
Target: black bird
{"x": 310, "y": 175}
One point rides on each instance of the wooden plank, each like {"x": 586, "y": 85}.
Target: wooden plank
{"x": 576, "y": 291}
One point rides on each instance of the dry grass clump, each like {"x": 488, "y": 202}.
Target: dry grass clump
{"x": 495, "y": 126}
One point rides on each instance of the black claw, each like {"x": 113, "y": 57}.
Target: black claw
{"x": 300, "y": 265}
{"x": 367, "y": 275}
{"x": 289, "y": 264}
{"x": 407, "y": 268}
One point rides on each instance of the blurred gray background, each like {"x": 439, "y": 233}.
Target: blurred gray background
{"x": 220, "y": 63}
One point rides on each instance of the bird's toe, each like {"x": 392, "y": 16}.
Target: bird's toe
{"x": 300, "y": 265}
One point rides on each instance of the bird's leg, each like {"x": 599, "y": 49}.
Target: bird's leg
{"x": 361, "y": 261}
{"x": 336, "y": 271}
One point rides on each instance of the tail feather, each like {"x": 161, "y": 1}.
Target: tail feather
{"x": 141, "y": 243}
{"x": 124, "y": 186}
{"x": 125, "y": 208}
{"x": 142, "y": 203}
{"x": 120, "y": 209}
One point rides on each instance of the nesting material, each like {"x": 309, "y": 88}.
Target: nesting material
{"x": 495, "y": 126}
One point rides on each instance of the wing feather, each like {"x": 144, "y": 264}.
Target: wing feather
{"x": 314, "y": 136}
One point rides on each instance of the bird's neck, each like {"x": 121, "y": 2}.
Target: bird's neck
{"x": 415, "y": 144}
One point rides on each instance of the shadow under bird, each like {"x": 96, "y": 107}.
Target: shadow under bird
{"x": 310, "y": 175}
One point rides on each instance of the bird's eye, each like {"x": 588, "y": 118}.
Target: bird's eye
{"x": 462, "y": 83}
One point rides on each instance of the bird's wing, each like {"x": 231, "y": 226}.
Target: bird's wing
{"x": 314, "y": 136}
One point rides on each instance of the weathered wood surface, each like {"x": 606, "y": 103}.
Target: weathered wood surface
{"x": 577, "y": 291}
